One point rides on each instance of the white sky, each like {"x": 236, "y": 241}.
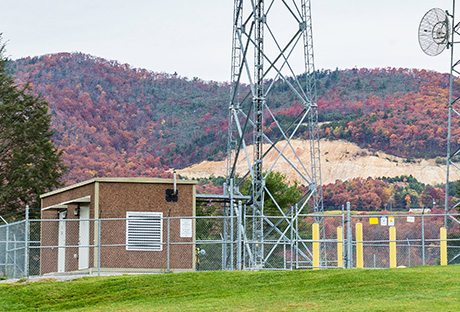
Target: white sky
{"x": 193, "y": 38}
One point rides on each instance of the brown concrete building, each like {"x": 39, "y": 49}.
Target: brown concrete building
{"x": 119, "y": 224}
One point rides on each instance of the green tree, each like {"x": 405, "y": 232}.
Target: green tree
{"x": 29, "y": 163}
{"x": 285, "y": 194}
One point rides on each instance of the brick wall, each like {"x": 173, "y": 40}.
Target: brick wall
{"x": 115, "y": 199}
{"x": 118, "y": 198}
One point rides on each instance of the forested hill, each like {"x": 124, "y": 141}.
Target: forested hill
{"x": 111, "y": 119}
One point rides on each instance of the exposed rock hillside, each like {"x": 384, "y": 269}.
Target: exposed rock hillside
{"x": 340, "y": 160}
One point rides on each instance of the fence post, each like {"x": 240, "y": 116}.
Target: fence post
{"x": 26, "y": 243}
{"x": 15, "y": 248}
{"x": 168, "y": 265}
{"x": 344, "y": 245}
{"x": 443, "y": 245}
{"x": 359, "y": 246}
{"x": 423, "y": 236}
{"x": 349, "y": 238}
{"x": 243, "y": 216}
{"x": 292, "y": 238}
{"x": 232, "y": 231}
{"x": 224, "y": 234}
{"x": 393, "y": 262}
{"x": 239, "y": 247}
{"x": 315, "y": 236}
{"x": 284, "y": 256}
{"x": 99, "y": 226}
{"x": 339, "y": 247}
{"x": 296, "y": 243}
{"x": 7, "y": 243}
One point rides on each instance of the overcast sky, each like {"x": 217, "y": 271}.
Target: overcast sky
{"x": 193, "y": 38}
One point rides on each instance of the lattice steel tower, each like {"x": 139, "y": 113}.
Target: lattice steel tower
{"x": 439, "y": 30}
{"x": 272, "y": 51}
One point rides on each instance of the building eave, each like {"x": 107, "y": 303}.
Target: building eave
{"x": 119, "y": 180}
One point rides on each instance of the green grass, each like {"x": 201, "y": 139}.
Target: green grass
{"x": 414, "y": 289}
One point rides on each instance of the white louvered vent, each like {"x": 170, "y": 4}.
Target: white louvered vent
{"x": 144, "y": 231}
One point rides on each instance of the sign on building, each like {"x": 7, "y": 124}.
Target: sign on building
{"x": 186, "y": 228}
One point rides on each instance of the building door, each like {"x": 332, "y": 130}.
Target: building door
{"x": 61, "y": 241}
{"x": 83, "y": 242}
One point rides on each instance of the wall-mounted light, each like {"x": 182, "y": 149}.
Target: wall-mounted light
{"x": 64, "y": 214}
{"x": 76, "y": 212}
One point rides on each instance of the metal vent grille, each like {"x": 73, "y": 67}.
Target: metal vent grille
{"x": 144, "y": 231}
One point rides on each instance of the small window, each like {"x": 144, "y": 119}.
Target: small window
{"x": 144, "y": 231}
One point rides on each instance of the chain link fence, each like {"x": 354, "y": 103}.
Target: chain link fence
{"x": 417, "y": 239}
{"x": 13, "y": 251}
{"x": 175, "y": 244}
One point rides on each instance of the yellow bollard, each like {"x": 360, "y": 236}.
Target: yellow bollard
{"x": 443, "y": 245}
{"x": 315, "y": 237}
{"x": 339, "y": 247}
{"x": 359, "y": 246}
{"x": 393, "y": 261}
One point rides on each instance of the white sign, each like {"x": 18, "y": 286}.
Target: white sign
{"x": 186, "y": 228}
{"x": 391, "y": 221}
{"x": 410, "y": 219}
{"x": 383, "y": 221}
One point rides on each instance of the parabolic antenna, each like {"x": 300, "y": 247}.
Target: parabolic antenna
{"x": 433, "y": 32}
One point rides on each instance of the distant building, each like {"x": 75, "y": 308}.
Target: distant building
{"x": 70, "y": 243}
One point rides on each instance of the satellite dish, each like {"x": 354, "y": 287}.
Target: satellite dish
{"x": 434, "y": 31}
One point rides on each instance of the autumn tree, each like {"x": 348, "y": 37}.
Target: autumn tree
{"x": 29, "y": 163}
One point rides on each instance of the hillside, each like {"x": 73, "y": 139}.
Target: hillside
{"x": 340, "y": 160}
{"x": 113, "y": 120}
{"x": 413, "y": 289}
{"x": 110, "y": 119}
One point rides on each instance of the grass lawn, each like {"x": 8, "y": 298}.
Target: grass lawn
{"x": 412, "y": 289}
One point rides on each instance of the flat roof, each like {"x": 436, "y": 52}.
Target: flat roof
{"x": 118, "y": 180}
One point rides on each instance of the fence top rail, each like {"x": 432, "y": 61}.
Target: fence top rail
{"x": 326, "y": 215}
{"x": 400, "y": 215}
{"x": 4, "y": 226}
{"x": 375, "y": 215}
{"x": 124, "y": 219}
